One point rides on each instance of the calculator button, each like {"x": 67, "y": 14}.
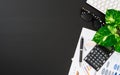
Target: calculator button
{"x": 103, "y": 53}
{"x": 94, "y": 53}
{"x": 91, "y": 57}
{"x": 92, "y": 61}
{"x": 91, "y": 51}
{"x": 99, "y": 57}
{"x": 94, "y": 57}
{"x": 96, "y": 61}
{"x": 98, "y": 53}
{"x": 106, "y": 55}
{"x": 85, "y": 58}
{"x": 88, "y": 59}
{"x": 110, "y": 54}
{"x": 103, "y": 58}
{"x": 98, "y": 64}
{"x": 98, "y": 68}
{"x": 100, "y": 61}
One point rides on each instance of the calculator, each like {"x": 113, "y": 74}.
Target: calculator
{"x": 98, "y": 56}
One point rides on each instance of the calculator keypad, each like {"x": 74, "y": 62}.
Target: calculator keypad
{"x": 98, "y": 56}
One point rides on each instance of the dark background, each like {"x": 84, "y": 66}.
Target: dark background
{"x": 39, "y": 37}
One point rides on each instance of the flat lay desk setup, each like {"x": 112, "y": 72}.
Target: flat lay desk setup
{"x": 90, "y": 58}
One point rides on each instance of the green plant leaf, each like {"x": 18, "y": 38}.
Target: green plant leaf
{"x": 112, "y": 17}
{"x": 112, "y": 29}
{"x": 117, "y": 47}
{"x": 109, "y": 35}
{"x": 104, "y": 37}
{"x": 117, "y": 38}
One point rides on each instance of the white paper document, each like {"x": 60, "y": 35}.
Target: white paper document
{"x": 111, "y": 67}
{"x": 87, "y": 34}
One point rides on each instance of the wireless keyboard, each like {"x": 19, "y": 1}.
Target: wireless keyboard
{"x": 103, "y": 5}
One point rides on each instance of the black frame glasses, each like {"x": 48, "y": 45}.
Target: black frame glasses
{"x": 88, "y": 16}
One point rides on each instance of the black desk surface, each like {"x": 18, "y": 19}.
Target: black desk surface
{"x": 39, "y": 37}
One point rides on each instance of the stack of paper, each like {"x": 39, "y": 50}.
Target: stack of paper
{"x": 111, "y": 67}
{"x": 84, "y": 69}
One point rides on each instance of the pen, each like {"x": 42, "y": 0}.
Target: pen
{"x": 81, "y": 50}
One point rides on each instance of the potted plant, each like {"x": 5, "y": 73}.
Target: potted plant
{"x": 109, "y": 34}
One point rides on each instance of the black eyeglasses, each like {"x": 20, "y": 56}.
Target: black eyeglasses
{"x": 87, "y": 16}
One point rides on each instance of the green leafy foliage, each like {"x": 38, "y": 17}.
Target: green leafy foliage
{"x": 109, "y": 35}
{"x": 104, "y": 37}
{"x": 117, "y": 47}
{"x": 112, "y": 17}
